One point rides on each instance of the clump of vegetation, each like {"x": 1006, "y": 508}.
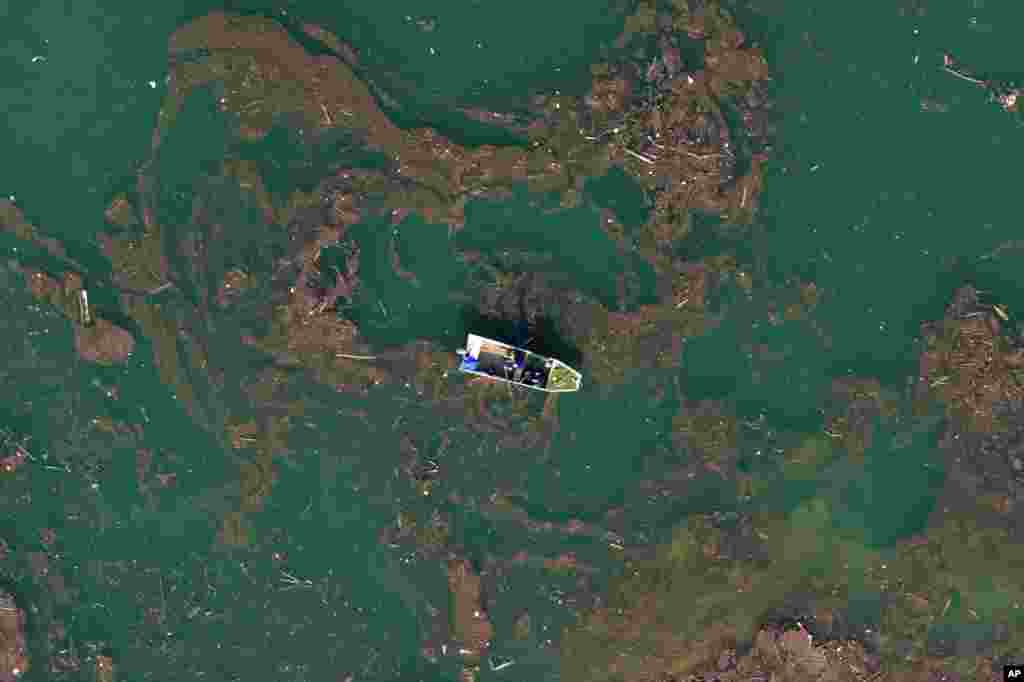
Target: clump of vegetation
{"x": 103, "y": 342}
{"x": 267, "y": 77}
{"x": 561, "y": 378}
{"x": 470, "y": 626}
{"x": 325, "y": 343}
{"x": 430, "y": 536}
{"x": 492, "y": 403}
{"x": 970, "y": 366}
{"x": 705, "y": 429}
{"x": 97, "y": 339}
{"x": 121, "y": 213}
{"x": 257, "y": 443}
{"x": 615, "y": 343}
{"x": 162, "y": 331}
{"x": 666, "y": 121}
{"x": 14, "y": 658}
{"x": 432, "y": 371}
{"x": 855, "y": 407}
{"x": 246, "y": 173}
{"x": 106, "y": 671}
{"x": 134, "y": 248}
{"x": 686, "y": 610}
{"x": 235, "y": 283}
{"x": 12, "y": 220}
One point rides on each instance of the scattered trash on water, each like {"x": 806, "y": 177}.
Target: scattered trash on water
{"x": 424, "y": 24}
{"x": 84, "y": 315}
{"x": 1005, "y": 94}
{"x": 349, "y": 356}
{"x": 110, "y": 391}
{"x": 291, "y": 582}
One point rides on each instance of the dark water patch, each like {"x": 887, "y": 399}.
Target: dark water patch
{"x": 251, "y": 314}
{"x": 392, "y": 310}
{"x": 333, "y": 262}
{"x": 475, "y": 43}
{"x": 426, "y": 251}
{"x": 691, "y": 52}
{"x": 710, "y": 235}
{"x": 473, "y": 535}
{"x": 891, "y": 497}
{"x": 165, "y": 419}
{"x": 547, "y": 339}
{"x": 83, "y": 114}
{"x": 890, "y": 370}
{"x": 402, "y": 101}
{"x": 999, "y": 282}
{"x": 82, "y": 251}
{"x": 543, "y": 336}
{"x": 607, "y": 455}
{"x": 192, "y": 151}
{"x": 641, "y": 284}
{"x": 739, "y": 136}
{"x": 195, "y": 146}
{"x": 498, "y": 328}
{"x": 290, "y": 158}
{"x": 717, "y": 366}
{"x": 856, "y": 620}
{"x": 30, "y": 255}
{"x": 710, "y": 367}
{"x": 640, "y": 48}
{"x": 704, "y": 494}
{"x": 963, "y": 639}
{"x": 620, "y": 194}
{"x": 793, "y": 365}
{"x": 236, "y": 234}
{"x": 96, "y": 271}
{"x": 572, "y": 238}
{"x": 864, "y": 612}
{"x": 879, "y": 500}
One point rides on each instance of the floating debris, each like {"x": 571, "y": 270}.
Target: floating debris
{"x": 970, "y": 364}
{"x": 500, "y": 663}
{"x": 471, "y": 627}
{"x": 1004, "y": 93}
{"x": 637, "y": 155}
{"x": 104, "y": 343}
{"x": 291, "y": 582}
{"x": 14, "y": 661}
{"x": 349, "y": 356}
{"x": 105, "y": 671}
{"x": 84, "y": 315}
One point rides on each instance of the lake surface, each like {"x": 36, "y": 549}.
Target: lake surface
{"x": 889, "y": 183}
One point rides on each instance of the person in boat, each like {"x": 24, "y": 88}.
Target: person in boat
{"x": 1006, "y": 93}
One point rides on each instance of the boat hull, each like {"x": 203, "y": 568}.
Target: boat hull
{"x": 514, "y": 365}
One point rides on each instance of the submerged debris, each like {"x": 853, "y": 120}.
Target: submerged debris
{"x": 689, "y": 613}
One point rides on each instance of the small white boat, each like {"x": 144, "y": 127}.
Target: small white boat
{"x": 504, "y": 362}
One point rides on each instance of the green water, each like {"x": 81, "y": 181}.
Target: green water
{"x": 885, "y": 206}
